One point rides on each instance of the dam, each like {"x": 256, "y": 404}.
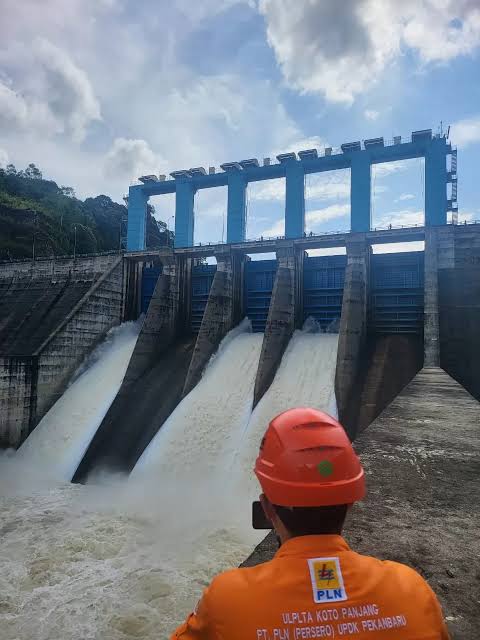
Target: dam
{"x": 136, "y": 387}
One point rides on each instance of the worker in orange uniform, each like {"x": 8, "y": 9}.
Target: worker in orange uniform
{"x": 316, "y": 586}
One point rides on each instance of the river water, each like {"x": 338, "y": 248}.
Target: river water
{"x": 128, "y": 558}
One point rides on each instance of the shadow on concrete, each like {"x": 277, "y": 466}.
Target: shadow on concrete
{"x": 137, "y": 413}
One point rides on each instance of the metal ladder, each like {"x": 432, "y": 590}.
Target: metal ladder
{"x": 452, "y": 203}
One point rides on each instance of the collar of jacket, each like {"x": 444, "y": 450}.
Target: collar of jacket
{"x": 312, "y": 546}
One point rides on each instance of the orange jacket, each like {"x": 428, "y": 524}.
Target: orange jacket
{"x": 316, "y": 587}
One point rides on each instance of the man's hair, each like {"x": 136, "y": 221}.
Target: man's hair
{"x": 308, "y": 521}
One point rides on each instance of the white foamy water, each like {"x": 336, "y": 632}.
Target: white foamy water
{"x": 305, "y": 377}
{"x": 130, "y": 560}
{"x": 200, "y": 438}
{"x": 61, "y": 438}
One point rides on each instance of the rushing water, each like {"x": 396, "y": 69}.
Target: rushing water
{"x": 306, "y": 377}
{"x": 129, "y": 558}
{"x": 58, "y": 443}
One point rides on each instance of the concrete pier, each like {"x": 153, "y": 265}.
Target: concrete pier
{"x": 422, "y": 459}
{"x": 218, "y": 319}
{"x": 154, "y": 379}
{"x": 353, "y": 329}
{"x": 280, "y": 323}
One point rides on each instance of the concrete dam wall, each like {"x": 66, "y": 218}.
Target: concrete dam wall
{"x": 382, "y": 306}
{"x": 52, "y": 313}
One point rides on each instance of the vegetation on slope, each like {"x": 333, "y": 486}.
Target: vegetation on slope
{"x": 39, "y": 218}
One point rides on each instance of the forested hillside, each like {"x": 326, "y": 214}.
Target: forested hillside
{"x": 39, "y": 218}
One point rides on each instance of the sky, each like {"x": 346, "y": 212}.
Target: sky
{"x": 99, "y": 92}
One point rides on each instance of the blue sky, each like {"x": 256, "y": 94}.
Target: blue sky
{"x": 98, "y": 92}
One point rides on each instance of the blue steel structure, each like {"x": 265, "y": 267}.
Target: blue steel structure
{"x": 259, "y": 279}
{"x": 396, "y": 304}
{"x": 236, "y": 176}
{"x": 323, "y": 284}
{"x": 202, "y": 278}
{"x": 149, "y": 280}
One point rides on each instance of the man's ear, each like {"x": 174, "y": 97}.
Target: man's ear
{"x": 268, "y": 507}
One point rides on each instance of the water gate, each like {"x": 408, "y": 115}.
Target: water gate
{"x": 259, "y": 279}
{"x": 323, "y": 282}
{"x": 396, "y": 301}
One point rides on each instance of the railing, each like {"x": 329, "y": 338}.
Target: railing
{"x": 312, "y": 234}
{"x": 62, "y": 257}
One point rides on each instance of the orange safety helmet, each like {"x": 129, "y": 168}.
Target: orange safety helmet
{"x": 307, "y": 460}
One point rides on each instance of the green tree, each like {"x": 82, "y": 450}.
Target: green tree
{"x": 33, "y": 172}
{"x": 69, "y": 192}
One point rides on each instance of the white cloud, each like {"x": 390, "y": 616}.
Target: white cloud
{"x": 129, "y": 159}
{"x": 319, "y": 216}
{"x": 146, "y": 90}
{"x": 371, "y": 114}
{"x": 301, "y": 144}
{"x": 467, "y": 216}
{"x": 340, "y": 49}
{"x": 18, "y": 114}
{"x": 3, "y": 158}
{"x": 13, "y": 110}
{"x": 317, "y": 187}
{"x": 267, "y": 190}
{"x": 399, "y": 247}
{"x": 67, "y": 89}
{"x": 387, "y": 168}
{"x": 328, "y": 186}
{"x": 277, "y": 229}
{"x": 405, "y": 218}
{"x": 465, "y": 132}
{"x": 327, "y": 251}
{"x": 405, "y": 196}
{"x": 50, "y": 95}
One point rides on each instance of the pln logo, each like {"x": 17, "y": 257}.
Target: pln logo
{"x": 327, "y": 580}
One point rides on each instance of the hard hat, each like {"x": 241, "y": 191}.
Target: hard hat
{"x": 307, "y": 460}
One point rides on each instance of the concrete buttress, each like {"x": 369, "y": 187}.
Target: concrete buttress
{"x": 353, "y": 326}
{"x": 154, "y": 379}
{"x": 218, "y": 319}
{"x": 280, "y": 322}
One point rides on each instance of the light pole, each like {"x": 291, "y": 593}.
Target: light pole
{"x": 34, "y": 234}
{"x": 168, "y": 229}
{"x": 89, "y": 231}
{"x": 74, "y": 241}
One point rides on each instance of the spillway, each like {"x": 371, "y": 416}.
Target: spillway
{"x": 59, "y": 441}
{"x": 306, "y": 377}
{"x": 201, "y": 436}
{"x": 129, "y": 559}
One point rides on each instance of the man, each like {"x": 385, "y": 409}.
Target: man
{"x": 315, "y": 587}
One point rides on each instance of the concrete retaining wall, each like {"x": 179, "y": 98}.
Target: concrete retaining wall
{"x": 52, "y": 313}
{"x": 49, "y": 268}
{"x": 84, "y": 327}
{"x": 390, "y": 362}
{"x": 17, "y": 394}
{"x": 431, "y": 328}
{"x": 459, "y": 305}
